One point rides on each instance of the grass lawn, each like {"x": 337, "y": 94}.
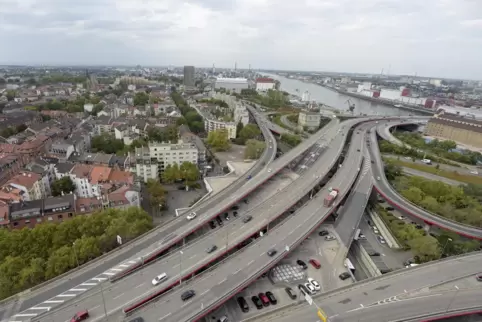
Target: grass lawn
{"x": 454, "y": 175}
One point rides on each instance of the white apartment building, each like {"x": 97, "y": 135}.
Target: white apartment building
{"x": 213, "y": 125}
{"x": 232, "y": 84}
{"x": 241, "y": 114}
{"x": 309, "y": 119}
{"x": 153, "y": 159}
{"x": 264, "y": 84}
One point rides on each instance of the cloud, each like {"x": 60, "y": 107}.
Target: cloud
{"x": 430, "y": 37}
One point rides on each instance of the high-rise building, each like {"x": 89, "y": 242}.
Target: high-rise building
{"x": 189, "y": 76}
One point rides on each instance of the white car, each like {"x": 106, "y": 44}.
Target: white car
{"x": 310, "y": 288}
{"x": 378, "y": 178}
{"x": 269, "y": 170}
{"x": 158, "y": 279}
{"x": 315, "y": 284}
{"x": 474, "y": 172}
{"x": 381, "y": 240}
{"x": 191, "y": 216}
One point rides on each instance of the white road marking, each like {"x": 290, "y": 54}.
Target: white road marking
{"x": 118, "y": 296}
{"x": 78, "y": 289}
{"x": 361, "y": 305}
{"x": 25, "y": 315}
{"x": 54, "y": 301}
{"x": 456, "y": 287}
{"x": 250, "y": 263}
{"x": 124, "y": 265}
{"x": 237, "y": 271}
{"x": 45, "y": 308}
{"x": 66, "y": 295}
{"x": 132, "y": 262}
{"x": 205, "y": 292}
{"x": 88, "y": 284}
{"x": 108, "y": 273}
{"x": 165, "y": 316}
{"x": 139, "y": 285}
{"x": 116, "y": 269}
{"x": 224, "y": 280}
{"x": 94, "y": 307}
{"x": 99, "y": 279}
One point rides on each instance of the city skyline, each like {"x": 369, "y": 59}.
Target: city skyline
{"x": 433, "y": 38}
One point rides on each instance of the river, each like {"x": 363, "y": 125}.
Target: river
{"x": 334, "y": 99}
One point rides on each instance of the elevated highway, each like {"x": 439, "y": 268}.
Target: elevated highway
{"x": 384, "y": 188}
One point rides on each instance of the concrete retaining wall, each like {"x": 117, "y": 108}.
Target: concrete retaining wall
{"x": 384, "y": 231}
{"x": 366, "y": 260}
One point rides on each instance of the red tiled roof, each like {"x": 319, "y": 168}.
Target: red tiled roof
{"x": 25, "y": 178}
{"x": 264, "y": 80}
{"x": 99, "y": 174}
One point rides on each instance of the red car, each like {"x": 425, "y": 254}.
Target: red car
{"x": 316, "y": 264}
{"x": 264, "y": 299}
{"x": 80, "y": 316}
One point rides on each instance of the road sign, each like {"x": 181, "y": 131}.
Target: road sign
{"x": 119, "y": 240}
{"x": 308, "y": 299}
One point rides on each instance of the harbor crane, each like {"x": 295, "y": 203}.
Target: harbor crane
{"x": 351, "y": 105}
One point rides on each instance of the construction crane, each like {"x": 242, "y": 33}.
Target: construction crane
{"x": 351, "y": 105}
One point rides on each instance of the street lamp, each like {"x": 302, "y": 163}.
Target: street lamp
{"x": 75, "y": 254}
{"x": 445, "y": 245}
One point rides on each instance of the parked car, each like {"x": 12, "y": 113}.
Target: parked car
{"x": 226, "y": 216}
{"x": 219, "y": 220}
{"x": 303, "y": 289}
{"x": 381, "y": 239}
{"x": 310, "y": 288}
{"x": 235, "y": 214}
{"x": 330, "y": 237}
{"x": 343, "y": 276}
{"x": 257, "y": 302}
{"x": 324, "y": 233}
{"x": 272, "y": 299}
{"x": 264, "y": 299}
{"x": 80, "y": 316}
{"x": 316, "y": 264}
{"x": 374, "y": 253}
{"x": 302, "y": 264}
{"x": 212, "y": 224}
{"x": 315, "y": 284}
{"x": 224, "y": 318}
{"x": 243, "y": 305}
{"x": 291, "y": 293}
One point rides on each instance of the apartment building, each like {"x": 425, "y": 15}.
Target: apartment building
{"x": 150, "y": 161}
{"x": 26, "y": 186}
{"x": 309, "y": 119}
{"x": 213, "y": 125}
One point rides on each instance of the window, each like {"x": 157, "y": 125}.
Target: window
{"x": 60, "y": 216}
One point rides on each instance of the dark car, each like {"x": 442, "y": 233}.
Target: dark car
{"x": 291, "y": 293}
{"x": 374, "y": 253}
{"x": 235, "y": 207}
{"x": 80, "y": 316}
{"x": 219, "y": 220}
{"x": 271, "y": 298}
{"x": 243, "y": 305}
{"x": 302, "y": 264}
{"x": 181, "y": 188}
{"x": 235, "y": 213}
{"x": 247, "y": 219}
{"x": 478, "y": 277}
{"x": 272, "y": 252}
{"x": 257, "y": 302}
{"x": 226, "y": 216}
{"x": 343, "y": 276}
{"x": 358, "y": 150}
{"x": 212, "y": 224}
{"x": 389, "y": 208}
{"x": 187, "y": 295}
{"x": 303, "y": 289}
{"x": 324, "y": 233}
{"x": 264, "y": 299}
{"x": 138, "y": 319}
{"x": 246, "y": 201}
{"x": 211, "y": 249}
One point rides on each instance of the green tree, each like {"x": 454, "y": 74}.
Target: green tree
{"x": 64, "y": 185}
{"x": 11, "y": 95}
{"x": 190, "y": 173}
{"x": 239, "y": 127}
{"x": 107, "y": 143}
{"x": 32, "y": 274}
{"x": 250, "y": 131}
{"x": 157, "y": 195}
{"x": 141, "y": 99}
{"x": 425, "y": 248}
{"x": 171, "y": 173}
{"x": 290, "y": 139}
{"x": 180, "y": 121}
{"x": 218, "y": 140}
{"x": 254, "y": 149}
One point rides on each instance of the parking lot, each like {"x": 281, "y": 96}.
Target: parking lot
{"x": 314, "y": 247}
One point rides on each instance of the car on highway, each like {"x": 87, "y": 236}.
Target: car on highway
{"x": 343, "y": 276}
{"x": 316, "y": 264}
{"x": 187, "y": 295}
{"x": 211, "y": 249}
{"x": 243, "y": 305}
{"x": 361, "y": 236}
{"x": 191, "y": 216}
{"x": 373, "y": 253}
{"x": 272, "y": 299}
{"x": 159, "y": 279}
{"x": 310, "y": 288}
{"x": 324, "y": 233}
{"x": 291, "y": 293}
{"x": 302, "y": 264}
{"x": 272, "y": 252}
{"x": 257, "y": 302}
{"x": 478, "y": 277}
{"x": 315, "y": 284}
{"x": 263, "y": 298}
{"x": 80, "y": 316}
{"x": 330, "y": 237}
{"x": 247, "y": 218}
{"x": 303, "y": 289}
{"x": 269, "y": 170}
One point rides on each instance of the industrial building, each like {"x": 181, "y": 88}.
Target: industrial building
{"x": 264, "y": 84}
{"x": 189, "y": 76}
{"x": 456, "y": 128}
{"x": 232, "y": 84}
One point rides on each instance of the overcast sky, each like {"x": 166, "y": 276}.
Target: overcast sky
{"x": 427, "y": 37}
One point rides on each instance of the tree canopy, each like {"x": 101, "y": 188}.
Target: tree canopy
{"x": 106, "y": 143}
{"x": 141, "y": 99}
{"x": 156, "y": 194}
{"x": 254, "y": 149}
{"x": 64, "y": 185}
{"x": 187, "y": 172}
{"x": 193, "y": 120}
{"x": 250, "y": 131}
{"x": 31, "y": 256}
{"x": 218, "y": 140}
{"x": 290, "y": 139}
{"x": 168, "y": 134}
